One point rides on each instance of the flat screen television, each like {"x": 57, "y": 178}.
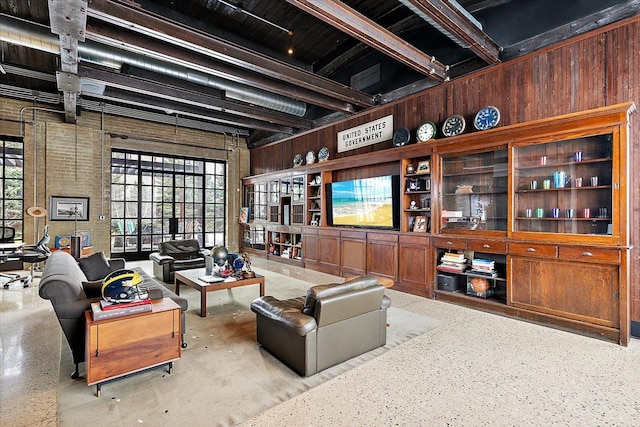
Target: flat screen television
{"x": 367, "y": 202}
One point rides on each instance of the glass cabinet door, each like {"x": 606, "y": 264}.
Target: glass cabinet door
{"x": 474, "y": 191}
{"x": 259, "y": 211}
{"x": 298, "y": 189}
{"x": 564, "y": 186}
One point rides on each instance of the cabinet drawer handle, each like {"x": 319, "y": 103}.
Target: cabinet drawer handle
{"x": 531, "y": 249}
{"x": 449, "y": 243}
{"x": 486, "y": 246}
{"x": 587, "y": 254}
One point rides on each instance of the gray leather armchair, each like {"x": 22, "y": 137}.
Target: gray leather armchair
{"x": 176, "y": 255}
{"x": 333, "y": 323}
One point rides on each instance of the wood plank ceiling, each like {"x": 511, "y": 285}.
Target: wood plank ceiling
{"x": 262, "y": 69}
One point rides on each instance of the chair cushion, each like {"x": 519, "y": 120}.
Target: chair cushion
{"x": 92, "y": 289}
{"x": 322, "y": 291}
{"x": 180, "y": 249}
{"x": 95, "y": 266}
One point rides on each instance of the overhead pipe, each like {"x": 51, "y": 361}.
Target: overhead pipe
{"x": 36, "y": 36}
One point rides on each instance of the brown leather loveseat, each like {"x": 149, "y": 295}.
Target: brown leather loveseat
{"x": 176, "y": 255}
{"x": 332, "y": 324}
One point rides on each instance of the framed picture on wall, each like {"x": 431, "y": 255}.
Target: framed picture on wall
{"x": 63, "y": 208}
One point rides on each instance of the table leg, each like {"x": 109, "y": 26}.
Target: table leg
{"x": 203, "y": 303}
{"x": 177, "y": 283}
{"x": 262, "y": 287}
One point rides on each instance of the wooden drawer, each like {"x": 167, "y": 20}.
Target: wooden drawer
{"x": 533, "y": 249}
{"x": 489, "y": 246}
{"x": 329, "y": 232}
{"x": 382, "y": 237}
{"x": 445, "y": 243}
{"x": 585, "y": 254}
{"x": 415, "y": 240}
{"x": 356, "y": 235}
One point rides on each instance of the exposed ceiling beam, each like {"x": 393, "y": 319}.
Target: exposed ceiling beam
{"x": 143, "y": 22}
{"x": 607, "y": 16}
{"x": 405, "y": 25}
{"x": 190, "y": 97}
{"x": 478, "y": 5}
{"x": 69, "y": 21}
{"x": 108, "y": 35}
{"x": 344, "y": 18}
{"x": 458, "y": 24}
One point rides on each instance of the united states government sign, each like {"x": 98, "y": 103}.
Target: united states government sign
{"x": 368, "y": 134}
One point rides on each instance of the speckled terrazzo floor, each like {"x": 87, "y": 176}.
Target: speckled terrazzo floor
{"x": 474, "y": 369}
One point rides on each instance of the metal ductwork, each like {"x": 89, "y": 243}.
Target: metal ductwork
{"x": 39, "y": 37}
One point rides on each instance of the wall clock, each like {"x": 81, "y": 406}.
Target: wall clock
{"x": 401, "y": 137}
{"x": 426, "y": 131}
{"x": 311, "y": 157}
{"x": 454, "y": 125}
{"x": 487, "y": 118}
{"x": 323, "y": 154}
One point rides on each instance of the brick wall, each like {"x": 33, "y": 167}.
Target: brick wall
{"x": 69, "y": 158}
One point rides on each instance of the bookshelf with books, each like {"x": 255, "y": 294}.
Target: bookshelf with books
{"x": 472, "y": 273}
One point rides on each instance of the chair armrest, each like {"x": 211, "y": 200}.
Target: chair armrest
{"x": 287, "y": 313}
{"x": 161, "y": 258}
{"x": 74, "y": 309}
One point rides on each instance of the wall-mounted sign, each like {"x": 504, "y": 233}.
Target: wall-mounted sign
{"x": 368, "y": 134}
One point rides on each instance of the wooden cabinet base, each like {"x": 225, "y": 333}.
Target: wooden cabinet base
{"x": 595, "y": 331}
{"x": 129, "y": 344}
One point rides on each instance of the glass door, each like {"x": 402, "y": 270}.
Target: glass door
{"x": 564, "y": 187}
{"x": 158, "y": 198}
{"x": 474, "y": 191}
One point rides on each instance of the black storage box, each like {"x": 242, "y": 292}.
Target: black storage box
{"x": 451, "y": 282}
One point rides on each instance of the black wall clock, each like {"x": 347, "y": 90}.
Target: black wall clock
{"x": 454, "y": 125}
{"x": 401, "y": 137}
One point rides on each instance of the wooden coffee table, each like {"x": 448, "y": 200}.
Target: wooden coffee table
{"x": 190, "y": 278}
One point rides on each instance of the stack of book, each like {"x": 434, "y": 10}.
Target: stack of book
{"x": 108, "y": 310}
{"x": 452, "y": 262}
{"x": 483, "y": 267}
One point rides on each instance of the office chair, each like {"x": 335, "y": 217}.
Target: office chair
{"x": 30, "y": 254}
{"x": 7, "y": 234}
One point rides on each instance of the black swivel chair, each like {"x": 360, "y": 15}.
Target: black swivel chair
{"x": 30, "y": 254}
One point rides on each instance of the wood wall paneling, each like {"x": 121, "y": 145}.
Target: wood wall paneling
{"x": 593, "y": 70}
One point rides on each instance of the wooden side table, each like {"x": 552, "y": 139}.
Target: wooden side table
{"x": 128, "y": 344}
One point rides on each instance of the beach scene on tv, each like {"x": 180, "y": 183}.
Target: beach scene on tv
{"x": 363, "y": 202}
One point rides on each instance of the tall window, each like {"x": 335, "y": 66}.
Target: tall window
{"x": 12, "y": 171}
{"x": 156, "y": 198}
